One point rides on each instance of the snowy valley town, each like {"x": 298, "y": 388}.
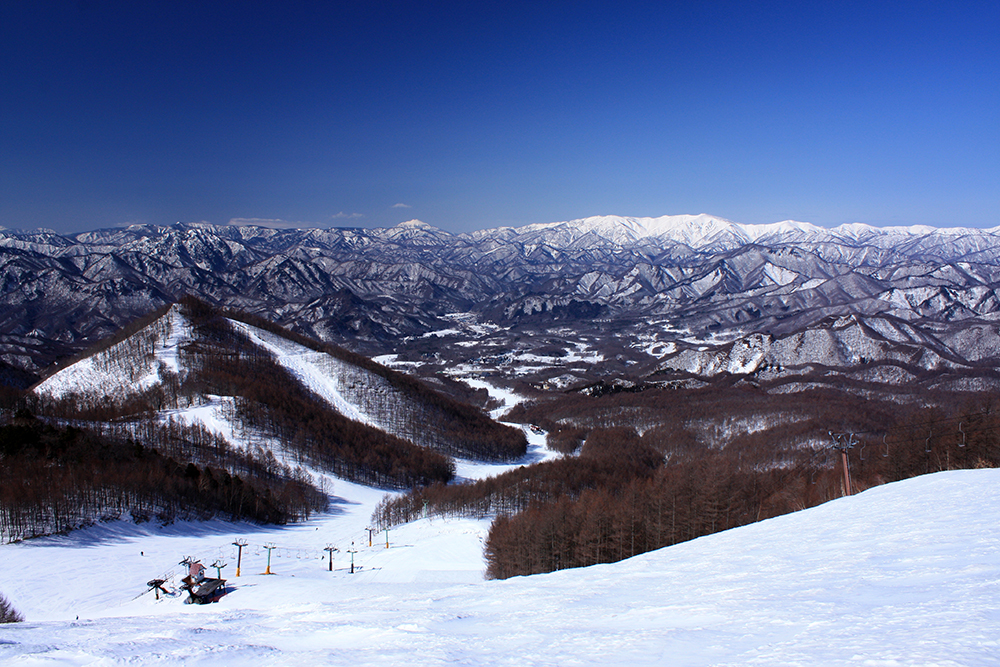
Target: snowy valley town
{"x": 500, "y": 334}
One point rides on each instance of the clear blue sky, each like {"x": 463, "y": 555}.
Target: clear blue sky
{"x": 477, "y": 114}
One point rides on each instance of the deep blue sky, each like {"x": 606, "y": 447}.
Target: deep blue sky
{"x": 479, "y": 114}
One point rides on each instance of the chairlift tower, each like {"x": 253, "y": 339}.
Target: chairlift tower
{"x": 352, "y": 551}
{"x": 270, "y": 547}
{"x": 218, "y": 568}
{"x": 239, "y": 544}
{"x": 330, "y": 549}
{"x": 843, "y": 442}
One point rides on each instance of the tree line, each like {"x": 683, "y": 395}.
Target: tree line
{"x": 60, "y": 478}
{"x": 627, "y": 493}
{"x": 8, "y": 614}
{"x": 611, "y": 458}
{"x": 434, "y": 419}
{"x": 700, "y": 495}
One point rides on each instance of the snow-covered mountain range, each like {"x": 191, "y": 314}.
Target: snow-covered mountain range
{"x": 636, "y": 295}
{"x": 703, "y": 231}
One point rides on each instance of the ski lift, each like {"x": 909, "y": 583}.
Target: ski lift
{"x": 963, "y": 434}
{"x": 927, "y": 447}
{"x": 156, "y": 585}
{"x": 861, "y": 454}
{"x": 218, "y": 564}
{"x": 885, "y": 454}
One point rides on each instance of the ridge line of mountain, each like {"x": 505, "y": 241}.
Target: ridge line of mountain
{"x": 609, "y": 227}
{"x": 603, "y": 283}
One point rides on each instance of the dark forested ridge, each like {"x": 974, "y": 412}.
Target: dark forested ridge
{"x": 59, "y": 478}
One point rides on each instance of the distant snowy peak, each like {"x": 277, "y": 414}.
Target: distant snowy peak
{"x": 415, "y": 224}
{"x": 708, "y": 231}
{"x": 695, "y": 231}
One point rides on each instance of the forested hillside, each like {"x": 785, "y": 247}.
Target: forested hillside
{"x": 705, "y": 461}
{"x": 288, "y": 401}
{"x": 60, "y": 478}
{"x": 393, "y": 435}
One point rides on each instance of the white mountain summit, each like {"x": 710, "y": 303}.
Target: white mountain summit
{"x": 709, "y": 231}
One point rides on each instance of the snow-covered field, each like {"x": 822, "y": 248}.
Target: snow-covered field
{"x": 904, "y": 574}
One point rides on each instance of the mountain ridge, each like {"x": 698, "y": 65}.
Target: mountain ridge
{"x": 611, "y": 227}
{"x": 614, "y": 283}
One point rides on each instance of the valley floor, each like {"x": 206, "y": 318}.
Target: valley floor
{"x": 903, "y": 574}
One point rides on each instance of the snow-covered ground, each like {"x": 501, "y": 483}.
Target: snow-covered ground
{"x": 505, "y": 397}
{"x": 904, "y": 574}
{"x": 126, "y": 367}
{"x": 315, "y": 370}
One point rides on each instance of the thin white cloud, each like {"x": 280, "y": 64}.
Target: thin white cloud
{"x": 347, "y": 215}
{"x": 401, "y": 205}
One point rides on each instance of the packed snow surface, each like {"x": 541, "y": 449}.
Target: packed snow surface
{"x": 317, "y": 371}
{"x": 903, "y": 574}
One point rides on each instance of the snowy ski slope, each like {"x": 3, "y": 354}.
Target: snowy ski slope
{"x": 904, "y": 574}
{"x": 128, "y": 367}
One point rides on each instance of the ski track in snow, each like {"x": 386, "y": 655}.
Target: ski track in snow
{"x": 538, "y": 450}
{"x": 903, "y": 574}
{"x": 307, "y": 365}
{"x": 303, "y": 364}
